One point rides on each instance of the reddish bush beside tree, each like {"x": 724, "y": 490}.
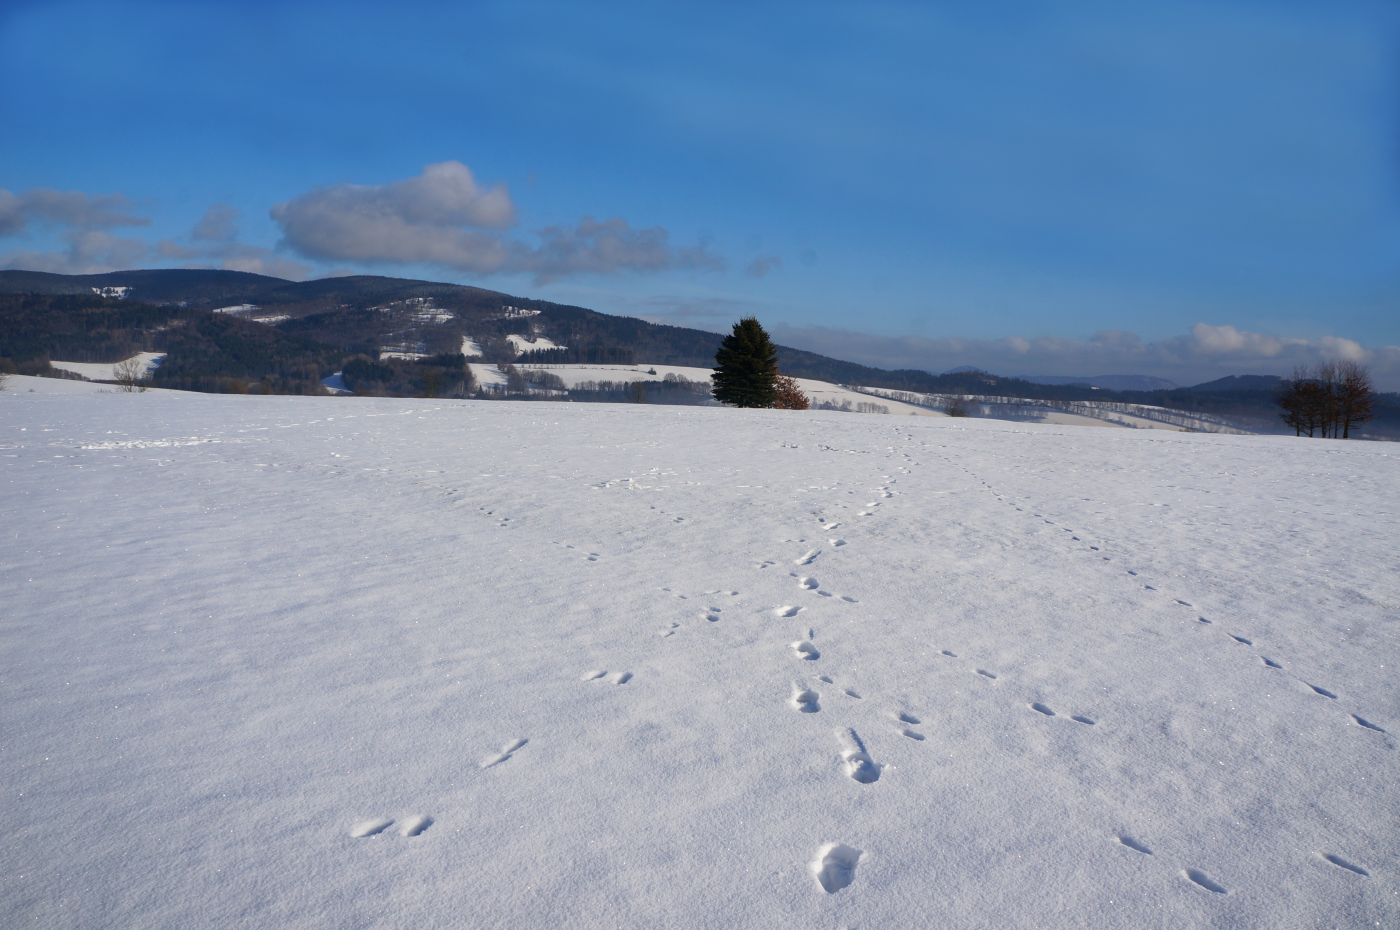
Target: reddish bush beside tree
{"x": 790, "y": 396}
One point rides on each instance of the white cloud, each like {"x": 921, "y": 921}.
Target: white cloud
{"x": 88, "y": 252}
{"x": 73, "y": 209}
{"x": 1209, "y": 352}
{"x": 443, "y": 218}
{"x": 85, "y": 219}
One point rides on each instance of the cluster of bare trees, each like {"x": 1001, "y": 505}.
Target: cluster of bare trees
{"x": 1327, "y": 400}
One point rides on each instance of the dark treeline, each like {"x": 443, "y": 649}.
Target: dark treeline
{"x": 591, "y": 355}
{"x": 443, "y": 375}
{"x": 203, "y": 351}
{"x": 79, "y": 328}
{"x": 670, "y": 390}
{"x": 215, "y": 353}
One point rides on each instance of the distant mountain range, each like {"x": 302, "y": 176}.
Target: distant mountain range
{"x": 287, "y": 335}
{"x": 1111, "y": 382}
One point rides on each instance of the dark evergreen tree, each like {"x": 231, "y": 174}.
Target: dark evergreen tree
{"x": 746, "y": 367}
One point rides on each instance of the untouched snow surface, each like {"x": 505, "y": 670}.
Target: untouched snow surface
{"x": 522, "y": 344}
{"x": 103, "y": 371}
{"x": 318, "y": 662}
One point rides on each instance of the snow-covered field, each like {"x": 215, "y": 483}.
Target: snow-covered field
{"x": 522, "y": 344}
{"x": 335, "y": 663}
{"x": 103, "y": 371}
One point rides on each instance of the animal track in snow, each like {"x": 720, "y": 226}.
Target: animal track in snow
{"x": 1203, "y": 620}
{"x": 1323, "y": 691}
{"x": 912, "y": 734}
{"x": 621, "y": 678}
{"x": 1204, "y": 880}
{"x": 1183, "y": 603}
{"x": 804, "y": 700}
{"x": 1366, "y": 723}
{"x": 1133, "y": 844}
{"x": 415, "y": 826}
{"x": 712, "y": 614}
{"x": 849, "y": 600}
{"x": 907, "y": 718}
{"x": 1341, "y": 863}
{"x": 370, "y": 827}
{"x": 1040, "y": 708}
{"x": 834, "y": 867}
{"x": 809, "y": 558}
{"x": 1240, "y": 639}
{"x": 506, "y": 752}
{"x": 837, "y": 542}
{"x": 859, "y": 766}
{"x": 951, "y": 655}
{"x": 826, "y": 678}
{"x": 805, "y": 650}
{"x": 1270, "y": 662}
{"x": 593, "y": 674}
{"x": 986, "y": 674}
{"x": 1080, "y": 718}
{"x": 850, "y": 692}
{"x": 764, "y": 564}
{"x": 787, "y": 610}
{"x": 807, "y": 582}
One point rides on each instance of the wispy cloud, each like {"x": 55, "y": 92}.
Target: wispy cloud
{"x": 215, "y": 245}
{"x": 444, "y": 218}
{"x": 763, "y": 264}
{"x": 73, "y": 209}
{"x": 84, "y": 220}
{"x": 1208, "y": 352}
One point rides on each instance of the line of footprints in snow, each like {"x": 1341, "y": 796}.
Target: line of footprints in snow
{"x": 1264, "y": 660}
{"x": 1195, "y": 875}
{"x": 834, "y": 865}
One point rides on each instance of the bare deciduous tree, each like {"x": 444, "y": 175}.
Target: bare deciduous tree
{"x": 1326, "y": 400}
{"x": 131, "y": 376}
{"x": 1354, "y": 396}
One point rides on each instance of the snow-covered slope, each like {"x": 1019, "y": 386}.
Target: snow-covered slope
{"x": 522, "y": 344}
{"x": 102, "y": 371}
{"x": 327, "y": 662}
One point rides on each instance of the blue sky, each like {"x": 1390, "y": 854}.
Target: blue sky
{"x": 1179, "y": 189}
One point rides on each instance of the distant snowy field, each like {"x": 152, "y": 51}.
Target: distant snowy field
{"x": 337, "y": 663}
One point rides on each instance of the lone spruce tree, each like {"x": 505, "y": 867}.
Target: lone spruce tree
{"x": 746, "y": 367}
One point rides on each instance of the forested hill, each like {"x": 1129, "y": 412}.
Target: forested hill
{"x": 366, "y": 313}
{"x": 293, "y": 329}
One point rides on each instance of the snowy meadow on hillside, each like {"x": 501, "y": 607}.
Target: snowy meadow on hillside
{"x": 333, "y": 662}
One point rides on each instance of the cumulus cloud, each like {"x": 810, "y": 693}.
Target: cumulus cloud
{"x": 432, "y": 219}
{"x": 442, "y": 217}
{"x": 1207, "y": 353}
